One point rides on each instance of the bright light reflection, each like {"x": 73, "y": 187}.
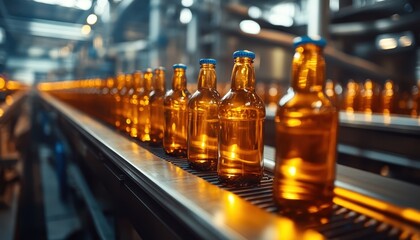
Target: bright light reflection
{"x": 405, "y": 41}
{"x": 185, "y": 16}
{"x": 80, "y": 4}
{"x": 254, "y": 12}
{"x": 187, "y": 3}
{"x": 249, "y": 26}
{"x": 280, "y": 20}
{"x": 86, "y": 29}
{"x": 387, "y": 43}
{"x": 92, "y": 19}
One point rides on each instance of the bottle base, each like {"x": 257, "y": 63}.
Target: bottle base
{"x": 305, "y": 210}
{"x": 240, "y": 180}
{"x": 203, "y": 164}
{"x": 177, "y": 152}
{"x": 155, "y": 143}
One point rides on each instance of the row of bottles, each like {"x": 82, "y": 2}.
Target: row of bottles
{"x": 369, "y": 97}
{"x": 211, "y": 132}
{"x": 227, "y": 133}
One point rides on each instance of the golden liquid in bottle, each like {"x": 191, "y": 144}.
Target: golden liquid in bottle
{"x": 241, "y": 116}
{"x": 388, "y": 98}
{"x": 118, "y": 93}
{"x": 370, "y": 97}
{"x": 306, "y": 136}
{"x": 203, "y": 121}
{"x": 126, "y": 106}
{"x": 157, "y": 110}
{"x": 176, "y": 115}
{"x": 144, "y": 107}
{"x": 134, "y": 102}
{"x": 108, "y": 100}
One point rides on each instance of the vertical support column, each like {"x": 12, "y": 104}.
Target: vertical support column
{"x": 192, "y": 43}
{"x": 155, "y": 25}
{"x": 318, "y": 18}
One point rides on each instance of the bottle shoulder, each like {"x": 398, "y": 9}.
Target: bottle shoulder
{"x": 182, "y": 96}
{"x": 242, "y": 99}
{"x": 205, "y": 96}
{"x": 306, "y": 103}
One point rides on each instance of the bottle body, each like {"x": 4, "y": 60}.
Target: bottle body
{"x": 126, "y": 93}
{"x": 306, "y": 136}
{"x": 134, "y": 102}
{"x": 241, "y": 116}
{"x": 157, "y": 109}
{"x": 203, "y": 120}
{"x": 157, "y": 118}
{"x": 144, "y": 107}
{"x": 176, "y": 116}
{"x": 241, "y": 139}
{"x": 305, "y": 153}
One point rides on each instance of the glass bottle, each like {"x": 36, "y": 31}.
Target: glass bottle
{"x": 203, "y": 120}
{"x": 118, "y": 93}
{"x": 126, "y": 112}
{"x": 369, "y": 95}
{"x": 176, "y": 115}
{"x": 241, "y": 116}
{"x": 388, "y": 98}
{"x": 144, "y": 107}
{"x": 306, "y": 135}
{"x": 134, "y": 102}
{"x": 157, "y": 115}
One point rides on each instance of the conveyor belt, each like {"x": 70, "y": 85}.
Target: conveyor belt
{"x": 343, "y": 224}
{"x": 207, "y": 209}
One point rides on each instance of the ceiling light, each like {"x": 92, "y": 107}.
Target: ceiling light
{"x": 254, "y": 12}
{"x": 405, "y": 41}
{"x": 387, "y": 43}
{"x": 280, "y": 20}
{"x": 249, "y": 26}
{"x": 86, "y": 29}
{"x": 83, "y": 4}
{"x": 35, "y": 51}
{"x": 185, "y": 16}
{"x": 91, "y": 19}
{"x": 187, "y": 3}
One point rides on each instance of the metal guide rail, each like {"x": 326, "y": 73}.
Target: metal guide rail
{"x": 164, "y": 198}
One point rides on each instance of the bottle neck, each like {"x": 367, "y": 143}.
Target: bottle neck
{"x": 128, "y": 81}
{"x": 207, "y": 77}
{"x": 159, "y": 83}
{"x": 147, "y": 85}
{"x": 179, "y": 80}
{"x": 243, "y": 74}
{"x": 308, "y": 69}
{"x": 138, "y": 80}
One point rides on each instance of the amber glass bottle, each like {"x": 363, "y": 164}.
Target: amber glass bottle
{"x": 134, "y": 102}
{"x": 118, "y": 91}
{"x": 241, "y": 116}
{"x": 203, "y": 120}
{"x": 157, "y": 115}
{"x": 306, "y": 135}
{"x": 176, "y": 114}
{"x": 370, "y": 97}
{"x": 126, "y": 106}
{"x": 144, "y": 107}
{"x": 388, "y": 98}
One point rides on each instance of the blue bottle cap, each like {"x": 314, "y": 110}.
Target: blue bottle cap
{"x": 208, "y": 61}
{"x": 244, "y": 53}
{"x": 179, "y": 65}
{"x": 319, "y": 41}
